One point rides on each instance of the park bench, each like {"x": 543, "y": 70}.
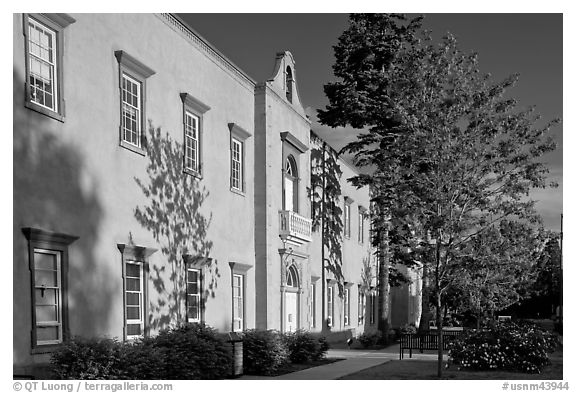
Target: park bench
{"x": 426, "y": 341}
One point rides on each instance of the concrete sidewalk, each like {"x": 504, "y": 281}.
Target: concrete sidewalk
{"x": 354, "y": 360}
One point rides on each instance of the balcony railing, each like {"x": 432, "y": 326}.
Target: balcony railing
{"x": 294, "y": 228}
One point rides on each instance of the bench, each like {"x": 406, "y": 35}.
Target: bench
{"x": 426, "y": 341}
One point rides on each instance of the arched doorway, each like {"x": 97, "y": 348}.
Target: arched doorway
{"x": 291, "y": 317}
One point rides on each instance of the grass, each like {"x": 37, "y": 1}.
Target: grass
{"x": 293, "y": 367}
{"x": 427, "y": 369}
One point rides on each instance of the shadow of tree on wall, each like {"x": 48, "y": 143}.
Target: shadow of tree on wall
{"x": 53, "y": 191}
{"x": 325, "y": 195}
{"x": 173, "y": 216}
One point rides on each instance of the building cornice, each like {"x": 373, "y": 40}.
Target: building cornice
{"x": 178, "y": 25}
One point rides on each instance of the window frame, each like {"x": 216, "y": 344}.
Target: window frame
{"x": 330, "y": 306}
{"x": 312, "y": 305}
{"x": 142, "y": 309}
{"x": 361, "y": 306}
{"x": 372, "y": 308}
{"x": 199, "y": 282}
{"x": 347, "y": 208}
{"x": 57, "y": 243}
{"x": 133, "y": 69}
{"x": 136, "y": 255}
{"x": 196, "y": 108}
{"x": 240, "y": 136}
{"x": 346, "y": 304}
{"x": 241, "y": 297}
{"x": 361, "y": 218}
{"x": 238, "y": 269}
{"x": 56, "y": 23}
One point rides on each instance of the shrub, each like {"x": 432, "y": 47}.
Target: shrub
{"x": 264, "y": 351}
{"x": 193, "y": 351}
{"x": 369, "y": 339}
{"x": 408, "y": 329}
{"x": 507, "y": 346}
{"x": 304, "y": 346}
{"x": 87, "y": 359}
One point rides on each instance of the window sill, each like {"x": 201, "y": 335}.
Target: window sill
{"x": 44, "y": 111}
{"x": 132, "y": 148}
{"x": 238, "y": 192}
{"x": 45, "y": 349}
{"x": 192, "y": 173}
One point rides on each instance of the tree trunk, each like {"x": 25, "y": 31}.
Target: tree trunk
{"x": 439, "y": 324}
{"x": 383, "y": 275}
{"x": 426, "y": 315}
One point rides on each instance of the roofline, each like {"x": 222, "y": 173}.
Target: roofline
{"x": 340, "y": 157}
{"x": 216, "y": 53}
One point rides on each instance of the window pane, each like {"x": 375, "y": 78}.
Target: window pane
{"x": 132, "y": 312}
{"x": 46, "y": 313}
{"x": 133, "y": 330}
{"x": 192, "y": 288}
{"x": 47, "y": 333}
{"x": 133, "y": 284}
{"x": 46, "y": 296}
{"x": 133, "y": 299}
{"x": 48, "y": 278}
{"x": 45, "y": 261}
{"x": 132, "y": 270}
{"x": 192, "y": 275}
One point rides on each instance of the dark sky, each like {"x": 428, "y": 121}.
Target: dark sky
{"x": 527, "y": 44}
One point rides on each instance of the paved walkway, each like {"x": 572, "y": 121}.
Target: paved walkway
{"x": 355, "y": 360}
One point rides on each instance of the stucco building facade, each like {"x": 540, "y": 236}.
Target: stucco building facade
{"x": 156, "y": 183}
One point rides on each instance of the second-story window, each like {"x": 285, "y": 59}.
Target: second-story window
{"x": 194, "y": 112}
{"x": 290, "y": 184}
{"x": 44, "y": 34}
{"x": 237, "y": 176}
{"x": 191, "y": 142}
{"x": 346, "y": 219}
{"x": 133, "y": 75}
{"x": 131, "y": 110}
{"x": 360, "y": 226}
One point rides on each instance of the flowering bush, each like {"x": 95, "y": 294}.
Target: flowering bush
{"x": 508, "y": 346}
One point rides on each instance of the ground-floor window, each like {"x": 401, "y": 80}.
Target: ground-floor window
{"x": 346, "y": 307}
{"x": 193, "y": 294}
{"x": 312, "y": 305}
{"x": 372, "y": 308}
{"x": 48, "y": 252}
{"x": 330, "y": 305}
{"x": 361, "y": 306}
{"x": 134, "y": 299}
{"x": 238, "y": 301}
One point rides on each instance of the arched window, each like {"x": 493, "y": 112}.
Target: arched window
{"x": 292, "y": 279}
{"x": 290, "y": 184}
{"x": 289, "y": 83}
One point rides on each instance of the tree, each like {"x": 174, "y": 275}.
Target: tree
{"x": 443, "y": 141}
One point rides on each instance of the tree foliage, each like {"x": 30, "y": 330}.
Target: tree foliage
{"x": 450, "y": 152}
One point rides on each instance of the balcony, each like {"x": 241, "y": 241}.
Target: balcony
{"x": 294, "y": 229}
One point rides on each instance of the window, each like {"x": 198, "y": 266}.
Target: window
{"x": 361, "y": 306}
{"x": 134, "y": 274}
{"x": 44, "y": 45}
{"x": 312, "y": 305}
{"x": 134, "y": 299}
{"x": 191, "y": 142}
{"x": 372, "y": 308}
{"x": 193, "y": 119}
{"x": 131, "y": 111}
{"x": 360, "y": 225}
{"x": 346, "y": 307}
{"x": 193, "y": 295}
{"x": 290, "y": 184}
{"x": 238, "y": 302}
{"x": 133, "y": 75}
{"x": 330, "y": 305}
{"x": 238, "y": 137}
{"x": 346, "y": 219}
{"x": 237, "y": 165}
{"x": 289, "y": 84}
{"x": 48, "y": 253}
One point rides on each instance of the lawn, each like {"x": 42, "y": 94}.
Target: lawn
{"x": 426, "y": 369}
